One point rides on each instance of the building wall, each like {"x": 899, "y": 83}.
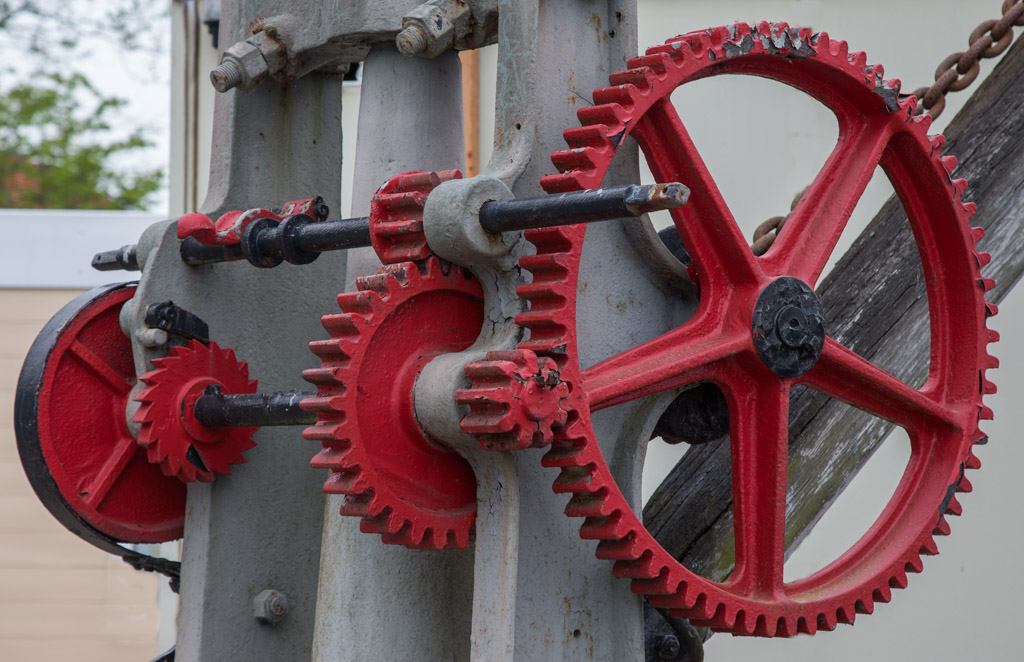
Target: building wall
{"x": 60, "y": 597}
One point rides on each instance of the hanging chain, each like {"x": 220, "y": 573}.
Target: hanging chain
{"x": 959, "y": 70}
{"x": 955, "y": 73}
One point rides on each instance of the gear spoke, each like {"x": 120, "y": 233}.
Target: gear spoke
{"x": 98, "y": 488}
{"x": 846, "y": 376}
{"x": 760, "y": 443}
{"x": 705, "y": 224}
{"x": 673, "y": 359}
{"x": 117, "y": 382}
{"x": 811, "y": 232}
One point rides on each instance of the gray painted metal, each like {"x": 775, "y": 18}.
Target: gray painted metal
{"x": 566, "y": 604}
{"x": 382, "y": 602}
{"x": 260, "y": 527}
{"x": 530, "y": 589}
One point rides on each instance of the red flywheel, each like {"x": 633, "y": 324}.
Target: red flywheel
{"x": 759, "y": 330}
{"x": 73, "y": 437}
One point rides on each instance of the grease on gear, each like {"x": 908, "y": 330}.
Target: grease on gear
{"x": 404, "y": 485}
{"x": 716, "y": 345}
{"x": 169, "y": 431}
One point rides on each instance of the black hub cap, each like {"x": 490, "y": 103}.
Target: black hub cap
{"x": 789, "y": 327}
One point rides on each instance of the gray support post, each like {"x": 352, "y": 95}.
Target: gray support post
{"x": 552, "y": 56}
{"x": 382, "y": 602}
{"x": 259, "y": 528}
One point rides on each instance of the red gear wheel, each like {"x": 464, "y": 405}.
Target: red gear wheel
{"x": 73, "y": 437}
{"x": 396, "y": 215}
{"x": 169, "y": 431}
{"x": 516, "y": 400}
{"x": 403, "y": 484}
{"x": 876, "y": 127}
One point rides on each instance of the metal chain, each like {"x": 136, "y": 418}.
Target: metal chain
{"x": 990, "y": 39}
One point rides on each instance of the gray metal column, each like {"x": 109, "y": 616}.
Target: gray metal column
{"x": 260, "y": 527}
{"x": 382, "y": 602}
{"x": 552, "y": 56}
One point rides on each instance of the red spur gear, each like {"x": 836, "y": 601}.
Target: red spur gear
{"x": 169, "y": 431}
{"x": 404, "y": 485}
{"x": 516, "y": 400}
{"x": 396, "y": 214}
{"x": 758, "y": 330}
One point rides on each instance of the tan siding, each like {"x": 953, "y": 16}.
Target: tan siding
{"x": 62, "y": 599}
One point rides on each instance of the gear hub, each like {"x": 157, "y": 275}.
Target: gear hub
{"x": 169, "y": 431}
{"x": 758, "y": 330}
{"x": 403, "y": 484}
{"x": 789, "y": 327}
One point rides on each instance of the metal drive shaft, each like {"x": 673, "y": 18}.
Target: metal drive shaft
{"x": 299, "y": 239}
{"x": 217, "y": 410}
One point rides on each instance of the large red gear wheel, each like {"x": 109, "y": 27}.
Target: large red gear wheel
{"x": 876, "y": 127}
{"x": 403, "y": 484}
{"x": 169, "y": 431}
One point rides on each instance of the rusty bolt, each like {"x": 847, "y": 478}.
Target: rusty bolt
{"x": 270, "y": 31}
{"x": 411, "y": 41}
{"x": 269, "y": 606}
{"x": 243, "y": 66}
{"x": 226, "y": 75}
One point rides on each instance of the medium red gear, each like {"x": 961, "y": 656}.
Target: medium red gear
{"x": 403, "y": 484}
{"x": 876, "y": 127}
{"x": 396, "y": 215}
{"x": 516, "y": 400}
{"x": 169, "y": 431}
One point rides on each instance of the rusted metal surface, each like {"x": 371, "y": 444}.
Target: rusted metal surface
{"x": 955, "y": 73}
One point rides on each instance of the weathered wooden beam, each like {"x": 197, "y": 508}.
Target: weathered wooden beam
{"x": 875, "y": 304}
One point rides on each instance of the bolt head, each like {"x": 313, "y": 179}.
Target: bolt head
{"x": 269, "y": 606}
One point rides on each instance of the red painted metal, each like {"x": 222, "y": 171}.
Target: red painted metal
{"x": 876, "y": 127}
{"x": 173, "y": 438}
{"x": 227, "y": 231}
{"x": 100, "y": 470}
{"x": 516, "y": 401}
{"x": 404, "y": 485}
{"x": 396, "y": 215}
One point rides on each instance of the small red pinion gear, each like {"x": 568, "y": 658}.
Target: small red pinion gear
{"x": 877, "y": 126}
{"x": 516, "y": 400}
{"x": 396, "y": 215}
{"x": 404, "y": 485}
{"x": 169, "y": 431}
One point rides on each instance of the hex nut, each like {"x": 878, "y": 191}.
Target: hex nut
{"x": 242, "y": 66}
{"x": 433, "y": 27}
{"x": 269, "y": 606}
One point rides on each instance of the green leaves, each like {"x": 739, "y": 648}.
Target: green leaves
{"x": 56, "y": 150}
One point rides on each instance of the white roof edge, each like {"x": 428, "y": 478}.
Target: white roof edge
{"x": 53, "y": 248}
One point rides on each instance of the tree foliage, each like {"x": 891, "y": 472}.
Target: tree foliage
{"x": 61, "y": 139}
{"x": 53, "y": 151}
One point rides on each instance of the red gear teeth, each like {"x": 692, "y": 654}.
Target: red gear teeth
{"x": 173, "y": 438}
{"x": 942, "y": 417}
{"x": 402, "y": 484}
{"x": 396, "y": 215}
{"x": 516, "y": 401}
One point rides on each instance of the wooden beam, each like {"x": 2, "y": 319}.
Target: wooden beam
{"x": 471, "y": 108}
{"x": 875, "y": 304}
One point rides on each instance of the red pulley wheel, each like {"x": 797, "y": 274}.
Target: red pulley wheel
{"x": 73, "y": 438}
